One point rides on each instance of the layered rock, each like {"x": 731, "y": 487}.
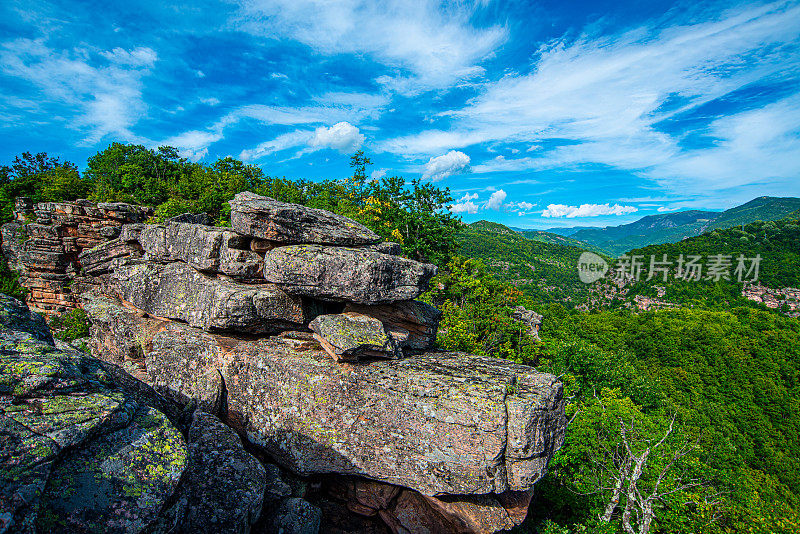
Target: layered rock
{"x": 285, "y": 223}
{"x": 46, "y": 240}
{"x": 412, "y": 324}
{"x": 439, "y": 423}
{"x": 178, "y": 291}
{"x": 348, "y": 274}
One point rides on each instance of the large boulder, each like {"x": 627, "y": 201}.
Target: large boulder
{"x": 439, "y": 423}
{"x": 346, "y": 274}
{"x": 225, "y": 484}
{"x": 178, "y": 291}
{"x": 206, "y": 248}
{"x": 286, "y": 223}
{"x": 350, "y": 336}
{"x": 18, "y": 322}
{"x": 80, "y": 454}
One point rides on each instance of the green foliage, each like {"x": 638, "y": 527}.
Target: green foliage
{"x": 71, "y": 325}
{"x": 42, "y": 178}
{"x": 9, "y": 282}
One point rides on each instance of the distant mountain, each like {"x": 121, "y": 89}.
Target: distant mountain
{"x": 758, "y": 209}
{"x": 674, "y": 227}
{"x": 559, "y": 230}
{"x": 653, "y": 229}
{"x": 557, "y": 239}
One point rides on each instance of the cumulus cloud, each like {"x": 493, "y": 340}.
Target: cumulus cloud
{"x": 464, "y": 207}
{"x": 193, "y": 144}
{"x": 342, "y": 136}
{"x": 377, "y": 174}
{"x": 440, "y": 167}
{"x": 495, "y": 201}
{"x": 586, "y": 210}
{"x": 468, "y": 196}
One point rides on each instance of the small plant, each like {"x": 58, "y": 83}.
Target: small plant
{"x": 71, "y": 325}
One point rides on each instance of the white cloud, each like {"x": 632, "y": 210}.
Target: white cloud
{"x": 495, "y": 201}
{"x": 464, "y": 207}
{"x": 193, "y": 144}
{"x": 103, "y": 97}
{"x": 342, "y": 136}
{"x": 210, "y": 101}
{"x": 586, "y": 210}
{"x": 468, "y": 196}
{"x": 434, "y": 42}
{"x": 524, "y": 206}
{"x": 665, "y": 208}
{"x": 137, "y": 57}
{"x": 610, "y": 95}
{"x": 282, "y": 142}
{"x": 446, "y": 165}
{"x": 377, "y": 174}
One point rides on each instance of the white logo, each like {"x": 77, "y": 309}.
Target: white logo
{"x": 591, "y": 267}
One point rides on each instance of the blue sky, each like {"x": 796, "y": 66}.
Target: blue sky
{"x": 534, "y": 114}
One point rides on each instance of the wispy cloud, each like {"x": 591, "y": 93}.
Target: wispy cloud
{"x": 100, "y": 89}
{"x": 612, "y": 96}
{"x": 427, "y": 44}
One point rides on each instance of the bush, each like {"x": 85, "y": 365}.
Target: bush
{"x": 71, "y": 325}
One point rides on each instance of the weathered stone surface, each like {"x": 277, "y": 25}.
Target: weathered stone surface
{"x": 177, "y": 291}
{"x": 440, "y": 423}
{"x": 293, "y": 516}
{"x": 98, "y": 260}
{"x": 118, "y": 482}
{"x": 205, "y": 248}
{"x": 79, "y": 452}
{"x": 346, "y": 274}
{"x": 17, "y": 322}
{"x": 386, "y": 247}
{"x": 405, "y": 510}
{"x": 46, "y": 240}
{"x": 280, "y": 222}
{"x": 224, "y": 483}
{"x": 413, "y": 324}
{"x": 350, "y": 336}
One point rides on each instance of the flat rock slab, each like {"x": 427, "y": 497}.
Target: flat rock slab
{"x": 206, "y": 248}
{"x": 177, "y": 291}
{"x": 439, "y": 423}
{"x": 350, "y": 336}
{"x": 346, "y": 274}
{"x": 286, "y": 223}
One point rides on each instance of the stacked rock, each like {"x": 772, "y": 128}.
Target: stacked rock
{"x": 46, "y": 241}
{"x": 298, "y": 328}
{"x": 282, "y": 267}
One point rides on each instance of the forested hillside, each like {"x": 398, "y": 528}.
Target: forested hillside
{"x": 685, "y": 419}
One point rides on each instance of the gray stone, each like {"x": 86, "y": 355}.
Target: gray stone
{"x": 346, "y": 274}
{"x": 101, "y": 259}
{"x": 439, "y": 423}
{"x": 413, "y": 324}
{"x": 79, "y": 452}
{"x": 177, "y": 291}
{"x": 192, "y": 218}
{"x": 293, "y": 516}
{"x": 19, "y": 323}
{"x": 281, "y": 222}
{"x": 224, "y": 483}
{"x": 205, "y": 248}
{"x": 350, "y": 336}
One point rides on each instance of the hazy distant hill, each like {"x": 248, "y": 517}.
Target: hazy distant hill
{"x": 669, "y": 227}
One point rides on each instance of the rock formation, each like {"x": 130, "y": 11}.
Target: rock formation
{"x": 46, "y": 241}
{"x": 298, "y": 330}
